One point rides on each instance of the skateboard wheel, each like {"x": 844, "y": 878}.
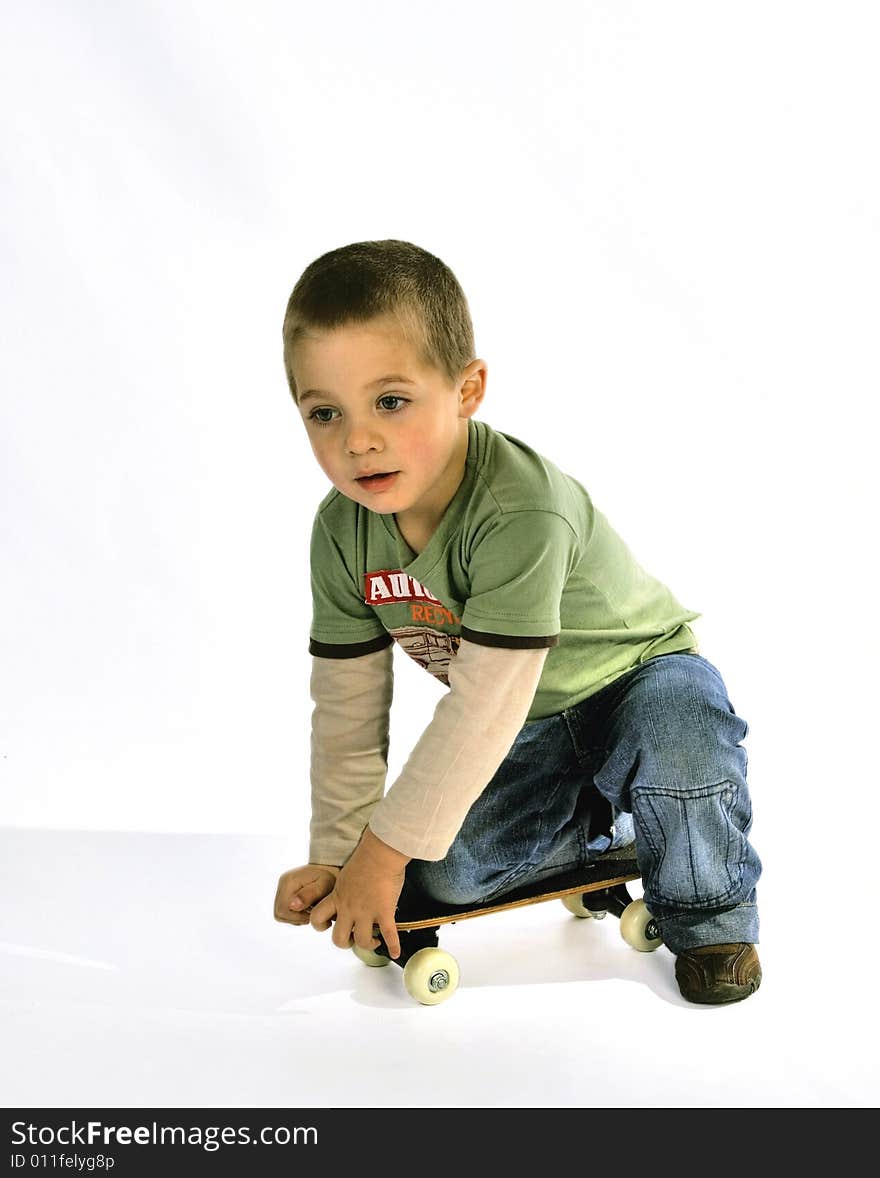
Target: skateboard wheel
{"x": 575, "y": 905}
{"x": 368, "y": 957}
{"x": 638, "y": 929}
{"x": 431, "y": 976}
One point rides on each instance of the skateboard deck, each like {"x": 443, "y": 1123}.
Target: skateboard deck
{"x": 415, "y": 910}
{"x": 431, "y": 975}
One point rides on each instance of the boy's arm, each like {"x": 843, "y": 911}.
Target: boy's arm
{"x": 352, "y": 698}
{"x": 349, "y": 749}
{"x": 473, "y": 728}
{"x": 474, "y": 725}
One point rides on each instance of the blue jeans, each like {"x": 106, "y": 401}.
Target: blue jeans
{"x": 654, "y": 758}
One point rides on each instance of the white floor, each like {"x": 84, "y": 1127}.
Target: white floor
{"x": 145, "y": 970}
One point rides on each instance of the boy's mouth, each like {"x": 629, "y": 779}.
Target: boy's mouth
{"x": 378, "y": 482}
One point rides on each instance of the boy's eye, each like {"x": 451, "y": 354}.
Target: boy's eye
{"x": 391, "y": 397}
{"x": 315, "y": 415}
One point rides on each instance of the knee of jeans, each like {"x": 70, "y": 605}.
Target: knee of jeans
{"x": 692, "y": 845}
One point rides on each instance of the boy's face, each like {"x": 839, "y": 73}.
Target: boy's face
{"x": 393, "y": 445}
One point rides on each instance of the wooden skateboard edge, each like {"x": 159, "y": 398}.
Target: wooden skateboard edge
{"x": 502, "y": 906}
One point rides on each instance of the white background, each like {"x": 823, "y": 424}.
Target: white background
{"x": 665, "y": 221}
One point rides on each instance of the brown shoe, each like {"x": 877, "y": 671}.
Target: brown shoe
{"x": 718, "y": 973}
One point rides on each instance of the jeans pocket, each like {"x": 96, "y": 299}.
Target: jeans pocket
{"x": 694, "y": 843}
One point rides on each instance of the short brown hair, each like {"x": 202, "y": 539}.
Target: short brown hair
{"x": 368, "y": 279}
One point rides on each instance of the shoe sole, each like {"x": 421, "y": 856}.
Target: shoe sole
{"x": 723, "y": 995}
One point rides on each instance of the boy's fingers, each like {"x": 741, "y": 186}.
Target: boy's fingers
{"x": 390, "y": 937}
{"x": 322, "y": 914}
{"x": 306, "y": 895}
{"x": 281, "y": 912}
{"x": 291, "y": 917}
{"x": 365, "y": 935}
{"x": 342, "y": 933}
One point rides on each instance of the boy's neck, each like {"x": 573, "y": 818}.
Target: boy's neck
{"x": 415, "y": 536}
{"x": 418, "y": 526}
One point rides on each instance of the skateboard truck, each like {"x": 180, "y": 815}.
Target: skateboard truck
{"x": 599, "y": 904}
{"x": 615, "y": 900}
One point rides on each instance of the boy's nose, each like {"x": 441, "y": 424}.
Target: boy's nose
{"x": 361, "y": 438}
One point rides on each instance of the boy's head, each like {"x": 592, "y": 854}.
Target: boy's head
{"x": 357, "y": 317}
{"x": 389, "y": 280}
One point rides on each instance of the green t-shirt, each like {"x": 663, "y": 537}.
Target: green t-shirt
{"x": 521, "y": 557}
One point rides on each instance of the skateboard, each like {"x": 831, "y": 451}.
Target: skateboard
{"x": 431, "y": 975}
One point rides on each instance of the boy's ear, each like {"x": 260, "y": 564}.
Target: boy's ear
{"x": 473, "y": 387}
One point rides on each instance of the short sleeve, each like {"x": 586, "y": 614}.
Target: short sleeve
{"x": 343, "y": 625}
{"x": 518, "y": 571}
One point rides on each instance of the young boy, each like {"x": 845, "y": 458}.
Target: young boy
{"x": 576, "y": 693}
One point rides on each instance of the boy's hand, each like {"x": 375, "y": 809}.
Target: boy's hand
{"x": 300, "y": 888}
{"x": 366, "y": 893}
